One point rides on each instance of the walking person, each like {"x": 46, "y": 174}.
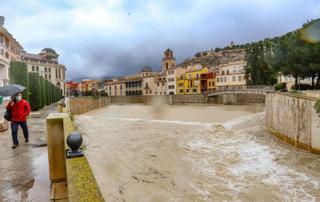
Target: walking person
{"x": 20, "y": 109}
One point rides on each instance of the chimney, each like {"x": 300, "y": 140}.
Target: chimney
{"x": 1, "y": 20}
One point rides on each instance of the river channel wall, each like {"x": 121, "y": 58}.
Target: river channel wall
{"x": 167, "y": 99}
{"x": 233, "y": 98}
{"x": 237, "y": 98}
{"x": 79, "y": 105}
{"x": 293, "y": 119}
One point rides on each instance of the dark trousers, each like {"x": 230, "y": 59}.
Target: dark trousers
{"x": 14, "y": 129}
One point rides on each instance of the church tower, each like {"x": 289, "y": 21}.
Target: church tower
{"x": 168, "y": 61}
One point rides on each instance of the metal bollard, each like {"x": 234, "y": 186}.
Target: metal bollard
{"x": 74, "y": 141}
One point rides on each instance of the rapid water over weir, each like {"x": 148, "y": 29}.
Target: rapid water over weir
{"x": 194, "y": 153}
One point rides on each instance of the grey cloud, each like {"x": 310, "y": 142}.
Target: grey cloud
{"x": 184, "y": 26}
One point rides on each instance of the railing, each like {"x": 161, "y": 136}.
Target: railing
{"x": 244, "y": 89}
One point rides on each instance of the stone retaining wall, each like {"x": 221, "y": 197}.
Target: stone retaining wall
{"x": 294, "y": 119}
{"x": 79, "y": 105}
{"x": 168, "y": 99}
{"x": 237, "y": 98}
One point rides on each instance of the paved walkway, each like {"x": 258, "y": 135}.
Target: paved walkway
{"x": 24, "y": 170}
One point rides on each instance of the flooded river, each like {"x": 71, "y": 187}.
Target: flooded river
{"x": 194, "y": 153}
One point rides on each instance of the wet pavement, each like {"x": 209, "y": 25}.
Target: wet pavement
{"x": 24, "y": 170}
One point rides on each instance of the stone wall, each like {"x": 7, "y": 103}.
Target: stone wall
{"x": 237, "y": 98}
{"x": 294, "y": 119}
{"x": 168, "y": 99}
{"x": 79, "y": 105}
{"x": 178, "y": 99}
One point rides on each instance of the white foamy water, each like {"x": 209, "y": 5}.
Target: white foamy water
{"x": 194, "y": 153}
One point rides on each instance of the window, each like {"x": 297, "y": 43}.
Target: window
{"x": 56, "y": 73}
{"x": 115, "y": 87}
{"x": 33, "y": 68}
{"x": 147, "y": 85}
{"x": 45, "y": 69}
{"x": 217, "y": 79}
{"x": 163, "y": 84}
{"x": 37, "y": 68}
{"x": 239, "y": 78}
{"x": 45, "y": 76}
{"x": 181, "y": 91}
{"x": 158, "y": 84}
{"x": 170, "y": 79}
{"x": 194, "y": 90}
{"x": 49, "y": 76}
{"x": 225, "y": 79}
{"x": 233, "y": 78}
{"x": 49, "y": 69}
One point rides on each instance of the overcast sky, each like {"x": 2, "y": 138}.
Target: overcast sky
{"x": 118, "y": 37}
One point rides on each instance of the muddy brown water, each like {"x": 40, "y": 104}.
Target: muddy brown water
{"x": 194, "y": 153}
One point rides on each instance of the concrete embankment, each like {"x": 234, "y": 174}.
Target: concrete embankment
{"x": 81, "y": 105}
{"x": 293, "y": 119}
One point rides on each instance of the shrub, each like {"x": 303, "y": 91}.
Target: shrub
{"x": 317, "y": 107}
{"x": 302, "y": 87}
{"x": 19, "y": 75}
{"x": 280, "y": 86}
{"x": 103, "y": 93}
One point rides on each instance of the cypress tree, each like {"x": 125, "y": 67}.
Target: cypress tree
{"x": 19, "y": 75}
{"x": 35, "y": 91}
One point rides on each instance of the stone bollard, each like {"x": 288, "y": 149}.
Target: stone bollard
{"x": 57, "y": 156}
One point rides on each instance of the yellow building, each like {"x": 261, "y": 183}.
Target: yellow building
{"x": 190, "y": 82}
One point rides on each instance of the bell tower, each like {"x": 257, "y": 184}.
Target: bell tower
{"x": 168, "y": 61}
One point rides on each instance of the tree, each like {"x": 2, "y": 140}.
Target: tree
{"x": 19, "y": 75}
{"x": 35, "y": 91}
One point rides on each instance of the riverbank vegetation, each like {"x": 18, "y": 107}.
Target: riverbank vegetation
{"x": 296, "y": 53}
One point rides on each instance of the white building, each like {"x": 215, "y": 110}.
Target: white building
{"x": 115, "y": 88}
{"x": 231, "y": 76}
{"x": 289, "y": 80}
{"x": 9, "y": 51}
{"x": 172, "y": 79}
{"x": 47, "y": 65}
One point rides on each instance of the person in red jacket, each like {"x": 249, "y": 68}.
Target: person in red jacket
{"x": 20, "y": 109}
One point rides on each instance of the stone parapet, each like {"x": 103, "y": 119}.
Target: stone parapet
{"x": 293, "y": 119}
{"x": 79, "y": 105}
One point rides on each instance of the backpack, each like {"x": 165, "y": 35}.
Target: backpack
{"x": 8, "y": 115}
